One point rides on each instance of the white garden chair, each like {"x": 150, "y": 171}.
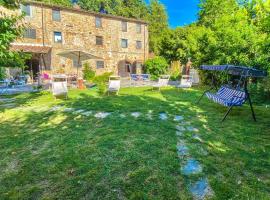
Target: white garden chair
{"x": 186, "y": 82}
{"x": 114, "y": 84}
{"x": 163, "y": 81}
{"x": 59, "y": 85}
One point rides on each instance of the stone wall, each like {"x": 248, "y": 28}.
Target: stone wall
{"x": 79, "y": 33}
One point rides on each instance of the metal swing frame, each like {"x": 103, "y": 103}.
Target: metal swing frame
{"x": 245, "y": 73}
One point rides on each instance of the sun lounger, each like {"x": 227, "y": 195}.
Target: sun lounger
{"x": 59, "y": 85}
{"x": 114, "y": 84}
{"x": 186, "y": 82}
{"x": 163, "y": 81}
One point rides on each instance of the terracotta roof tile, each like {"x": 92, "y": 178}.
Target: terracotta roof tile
{"x": 30, "y": 48}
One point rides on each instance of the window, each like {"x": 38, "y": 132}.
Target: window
{"x": 56, "y": 15}
{"x": 99, "y": 40}
{"x": 98, "y": 22}
{"x": 26, "y": 9}
{"x": 30, "y": 33}
{"x": 124, "y": 26}
{"x": 124, "y": 43}
{"x": 138, "y": 44}
{"x": 138, "y": 28}
{"x": 57, "y": 37}
{"x": 100, "y": 64}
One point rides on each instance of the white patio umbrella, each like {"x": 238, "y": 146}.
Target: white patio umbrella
{"x": 77, "y": 56}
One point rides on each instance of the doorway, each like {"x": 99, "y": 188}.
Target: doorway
{"x": 125, "y": 68}
{"x": 33, "y": 67}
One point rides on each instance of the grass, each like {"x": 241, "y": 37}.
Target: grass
{"x": 61, "y": 155}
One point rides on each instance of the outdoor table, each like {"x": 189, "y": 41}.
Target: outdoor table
{"x": 5, "y": 87}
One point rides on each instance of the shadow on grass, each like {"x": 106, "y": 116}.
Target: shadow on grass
{"x": 58, "y": 154}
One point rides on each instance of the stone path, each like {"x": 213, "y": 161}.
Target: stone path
{"x": 7, "y": 103}
{"x": 136, "y": 114}
{"x": 102, "y": 115}
{"x": 200, "y": 188}
{"x": 163, "y": 116}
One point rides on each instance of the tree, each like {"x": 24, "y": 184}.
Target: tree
{"x": 9, "y": 31}
{"x": 127, "y": 8}
{"x": 156, "y": 66}
{"x": 67, "y": 3}
{"x": 158, "y": 25}
{"x": 233, "y": 39}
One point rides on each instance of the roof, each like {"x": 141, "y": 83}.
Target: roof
{"x": 79, "y": 10}
{"x": 29, "y": 48}
{"x": 236, "y": 70}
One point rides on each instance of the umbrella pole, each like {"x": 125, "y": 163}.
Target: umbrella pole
{"x": 78, "y": 64}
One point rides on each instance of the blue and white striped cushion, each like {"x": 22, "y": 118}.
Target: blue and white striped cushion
{"x": 228, "y": 97}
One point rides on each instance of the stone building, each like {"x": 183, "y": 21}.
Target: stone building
{"x": 115, "y": 44}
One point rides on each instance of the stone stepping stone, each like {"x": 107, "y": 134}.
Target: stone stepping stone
{"x": 123, "y": 116}
{"x": 182, "y": 150}
{"x": 163, "y": 116}
{"x": 136, "y": 114}
{"x": 179, "y": 133}
{"x": 79, "y": 111}
{"x": 87, "y": 113}
{"x": 201, "y": 189}
{"x": 186, "y": 123}
{"x": 55, "y": 108}
{"x": 8, "y": 105}
{"x": 102, "y": 115}
{"x": 192, "y": 167}
{"x": 178, "y": 118}
{"x": 7, "y": 100}
{"x": 191, "y": 128}
{"x": 68, "y": 110}
{"x": 180, "y": 128}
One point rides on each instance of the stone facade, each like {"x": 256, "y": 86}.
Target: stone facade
{"x": 79, "y": 32}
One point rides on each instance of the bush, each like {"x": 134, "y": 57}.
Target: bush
{"x": 101, "y": 82}
{"x": 156, "y": 66}
{"x": 2, "y": 73}
{"x": 88, "y": 72}
{"x": 174, "y": 71}
{"x": 260, "y": 91}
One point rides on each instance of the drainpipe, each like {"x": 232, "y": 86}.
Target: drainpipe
{"x": 42, "y": 22}
{"x": 144, "y": 43}
{"x": 40, "y": 55}
{"x": 43, "y": 39}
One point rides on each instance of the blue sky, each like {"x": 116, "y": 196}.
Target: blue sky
{"x": 181, "y": 12}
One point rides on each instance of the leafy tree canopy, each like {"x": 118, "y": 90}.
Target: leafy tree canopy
{"x": 9, "y": 31}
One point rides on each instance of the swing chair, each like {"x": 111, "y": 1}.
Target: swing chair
{"x": 232, "y": 94}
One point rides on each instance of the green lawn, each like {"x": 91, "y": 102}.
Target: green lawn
{"x": 62, "y": 155}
